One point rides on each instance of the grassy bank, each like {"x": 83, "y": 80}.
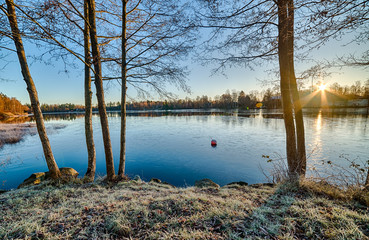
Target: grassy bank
{"x": 139, "y": 210}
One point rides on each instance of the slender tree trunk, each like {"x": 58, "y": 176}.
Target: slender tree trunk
{"x": 284, "y": 68}
{"x": 300, "y": 132}
{"x": 122, "y": 160}
{"x": 91, "y": 167}
{"x": 31, "y": 88}
{"x": 100, "y": 92}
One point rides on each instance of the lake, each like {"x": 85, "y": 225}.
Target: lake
{"x": 174, "y": 146}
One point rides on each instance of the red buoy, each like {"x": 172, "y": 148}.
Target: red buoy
{"x": 213, "y": 143}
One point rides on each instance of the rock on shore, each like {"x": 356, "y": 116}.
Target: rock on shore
{"x": 37, "y": 178}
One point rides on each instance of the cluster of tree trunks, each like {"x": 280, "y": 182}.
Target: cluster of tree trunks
{"x": 152, "y": 48}
{"x": 292, "y": 110}
{"x": 90, "y": 35}
{"x": 96, "y": 60}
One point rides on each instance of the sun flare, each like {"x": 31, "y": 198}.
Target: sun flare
{"x": 322, "y": 87}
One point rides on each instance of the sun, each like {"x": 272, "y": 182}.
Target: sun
{"x": 322, "y": 87}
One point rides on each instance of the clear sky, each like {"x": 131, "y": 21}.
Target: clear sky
{"x": 55, "y": 86}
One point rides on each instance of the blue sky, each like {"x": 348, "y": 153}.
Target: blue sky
{"x": 55, "y": 86}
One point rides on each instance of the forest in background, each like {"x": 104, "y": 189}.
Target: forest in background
{"x": 9, "y": 106}
{"x": 269, "y": 99}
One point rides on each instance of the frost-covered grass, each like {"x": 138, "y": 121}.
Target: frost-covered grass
{"x": 139, "y": 210}
{"x": 13, "y": 133}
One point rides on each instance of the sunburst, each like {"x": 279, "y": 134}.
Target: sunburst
{"x": 322, "y": 87}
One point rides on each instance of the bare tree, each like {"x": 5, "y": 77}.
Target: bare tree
{"x": 100, "y": 91}
{"x": 300, "y": 169}
{"x": 245, "y": 33}
{"x": 63, "y": 28}
{"x": 334, "y": 20}
{"x": 91, "y": 168}
{"x": 153, "y": 36}
{"x": 123, "y": 120}
{"x": 31, "y": 88}
{"x": 284, "y": 16}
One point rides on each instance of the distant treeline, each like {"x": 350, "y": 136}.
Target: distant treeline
{"x": 228, "y": 100}
{"x": 269, "y": 99}
{"x": 11, "y": 105}
{"x": 335, "y": 95}
{"x": 354, "y": 91}
{"x": 65, "y": 107}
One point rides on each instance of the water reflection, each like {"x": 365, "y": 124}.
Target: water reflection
{"x": 70, "y": 116}
{"x": 63, "y": 116}
{"x": 13, "y": 120}
{"x": 316, "y": 146}
{"x": 319, "y": 123}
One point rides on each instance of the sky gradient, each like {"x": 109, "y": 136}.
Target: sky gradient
{"x": 55, "y": 86}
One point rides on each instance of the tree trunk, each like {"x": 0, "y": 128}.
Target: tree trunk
{"x": 100, "y": 92}
{"x": 300, "y": 132}
{"x": 91, "y": 167}
{"x": 122, "y": 160}
{"x": 284, "y": 68}
{"x": 31, "y": 88}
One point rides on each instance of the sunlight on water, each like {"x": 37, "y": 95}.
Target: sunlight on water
{"x": 319, "y": 123}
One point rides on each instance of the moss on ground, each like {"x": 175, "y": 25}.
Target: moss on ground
{"x": 139, "y": 210}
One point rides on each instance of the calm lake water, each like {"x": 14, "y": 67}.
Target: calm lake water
{"x": 175, "y": 146}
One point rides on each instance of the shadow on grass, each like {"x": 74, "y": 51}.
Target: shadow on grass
{"x": 294, "y": 213}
